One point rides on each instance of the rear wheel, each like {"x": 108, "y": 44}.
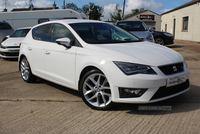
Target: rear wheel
{"x": 25, "y": 71}
{"x": 159, "y": 40}
{"x": 95, "y": 90}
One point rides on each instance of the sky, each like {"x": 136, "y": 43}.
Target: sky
{"x": 158, "y": 6}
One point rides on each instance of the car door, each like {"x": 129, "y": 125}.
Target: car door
{"x": 36, "y": 49}
{"x": 59, "y": 60}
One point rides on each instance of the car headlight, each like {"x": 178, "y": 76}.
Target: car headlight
{"x": 149, "y": 38}
{"x": 185, "y": 65}
{"x": 132, "y": 68}
{"x": 168, "y": 34}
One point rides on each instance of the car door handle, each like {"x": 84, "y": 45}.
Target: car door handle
{"x": 29, "y": 48}
{"x": 47, "y": 52}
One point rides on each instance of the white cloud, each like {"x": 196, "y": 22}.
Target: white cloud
{"x": 24, "y": 4}
{"x": 133, "y": 4}
{"x": 107, "y": 10}
{"x": 42, "y": 3}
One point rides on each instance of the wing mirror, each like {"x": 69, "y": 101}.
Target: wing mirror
{"x": 64, "y": 42}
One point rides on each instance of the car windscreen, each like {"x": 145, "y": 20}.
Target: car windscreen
{"x": 101, "y": 33}
{"x": 132, "y": 26}
{"x": 20, "y": 33}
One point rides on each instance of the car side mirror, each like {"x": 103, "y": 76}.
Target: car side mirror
{"x": 7, "y": 36}
{"x": 64, "y": 42}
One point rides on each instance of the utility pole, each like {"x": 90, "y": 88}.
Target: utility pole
{"x": 30, "y": 2}
{"x": 63, "y": 4}
{"x": 123, "y": 10}
{"x": 6, "y": 3}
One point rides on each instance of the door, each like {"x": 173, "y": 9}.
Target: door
{"x": 174, "y": 30}
{"x": 36, "y": 49}
{"x": 59, "y": 60}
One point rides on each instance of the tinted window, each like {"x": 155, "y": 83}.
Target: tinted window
{"x": 101, "y": 33}
{"x": 43, "y": 20}
{"x": 4, "y": 25}
{"x": 20, "y": 33}
{"x": 69, "y": 18}
{"x": 132, "y": 26}
{"x": 42, "y": 32}
{"x": 60, "y": 31}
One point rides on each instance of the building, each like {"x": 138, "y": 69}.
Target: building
{"x": 183, "y": 21}
{"x": 150, "y": 18}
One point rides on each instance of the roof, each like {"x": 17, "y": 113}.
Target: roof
{"x": 142, "y": 12}
{"x": 34, "y": 9}
{"x": 183, "y": 6}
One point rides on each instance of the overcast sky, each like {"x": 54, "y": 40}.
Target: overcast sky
{"x": 158, "y": 6}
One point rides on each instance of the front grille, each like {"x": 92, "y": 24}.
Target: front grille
{"x": 167, "y": 91}
{"x": 9, "y": 54}
{"x": 171, "y": 69}
{"x": 3, "y": 47}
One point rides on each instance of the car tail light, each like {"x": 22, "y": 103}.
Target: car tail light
{"x": 20, "y": 44}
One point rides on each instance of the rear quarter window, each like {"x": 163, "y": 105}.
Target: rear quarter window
{"x": 41, "y": 32}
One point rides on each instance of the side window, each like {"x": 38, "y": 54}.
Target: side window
{"x": 42, "y": 32}
{"x": 60, "y": 31}
{"x": 41, "y": 20}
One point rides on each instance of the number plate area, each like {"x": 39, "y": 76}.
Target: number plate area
{"x": 176, "y": 80}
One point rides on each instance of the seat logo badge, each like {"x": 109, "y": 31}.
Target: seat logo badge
{"x": 174, "y": 68}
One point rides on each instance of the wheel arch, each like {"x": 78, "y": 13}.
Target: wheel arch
{"x": 84, "y": 71}
{"x": 20, "y": 58}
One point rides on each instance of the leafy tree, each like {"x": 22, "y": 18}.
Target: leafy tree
{"x": 116, "y": 15}
{"x": 72, "y": 6}
{"x": 93, "y": 11}
{"x": 134, "y": 11}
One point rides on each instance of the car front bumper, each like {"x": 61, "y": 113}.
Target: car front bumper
{"x": 9, "y": 52}
{"x": 157, "y": 87}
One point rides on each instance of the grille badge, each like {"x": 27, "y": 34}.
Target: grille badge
{"x": 174, "y": 68}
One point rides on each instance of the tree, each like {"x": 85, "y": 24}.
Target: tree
{"x": 134, "y": 11}
{"x": 93, "y": 11}
{"x": 116, "y": 15}
{"x": 72, "y": 6}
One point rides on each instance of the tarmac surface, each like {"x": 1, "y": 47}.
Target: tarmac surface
{"x": 44, "y": 107}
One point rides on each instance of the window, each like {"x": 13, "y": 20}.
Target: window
{"x": 165, "y": 27}
{"x": 43, "y": 20}
{"x": 60, "y": 31}
{"x": 102, "y": 33}
{"x": 20, "y": 33}
{"x": 132, "y": 26}
{"x": 42, "y": 32}
{"x": 69, "y": 18}
{"x": 185, "y": 24}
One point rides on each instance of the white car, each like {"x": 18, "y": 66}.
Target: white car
{"x": 105, "y": 63}
{"x": 9, "y": 48}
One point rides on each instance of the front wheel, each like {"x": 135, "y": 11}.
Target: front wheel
{"x": 95, "y": 90}
{"x": 159, "y": 40}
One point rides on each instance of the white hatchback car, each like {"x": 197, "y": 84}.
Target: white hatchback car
{"x": 9, "y": 48}
{"x": 105, "y": 63}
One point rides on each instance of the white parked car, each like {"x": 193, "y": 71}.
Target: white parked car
{"x": 105, "y": 63}
{"x": 9, "y": 48}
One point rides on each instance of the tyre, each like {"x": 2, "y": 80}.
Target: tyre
{"x": 25, "y": 71}
{"x": 95, "y": 90}
{"x": 159, "y": 40}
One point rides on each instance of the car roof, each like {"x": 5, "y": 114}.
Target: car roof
{"x": 130, "y": 21}
{"x": 24, "y": 28}
{"x": 71, "y": 21}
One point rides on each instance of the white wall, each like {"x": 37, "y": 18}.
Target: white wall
{"x": 193, "y": 12}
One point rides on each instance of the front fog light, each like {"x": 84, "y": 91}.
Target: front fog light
{"x": 131, "y": 92}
